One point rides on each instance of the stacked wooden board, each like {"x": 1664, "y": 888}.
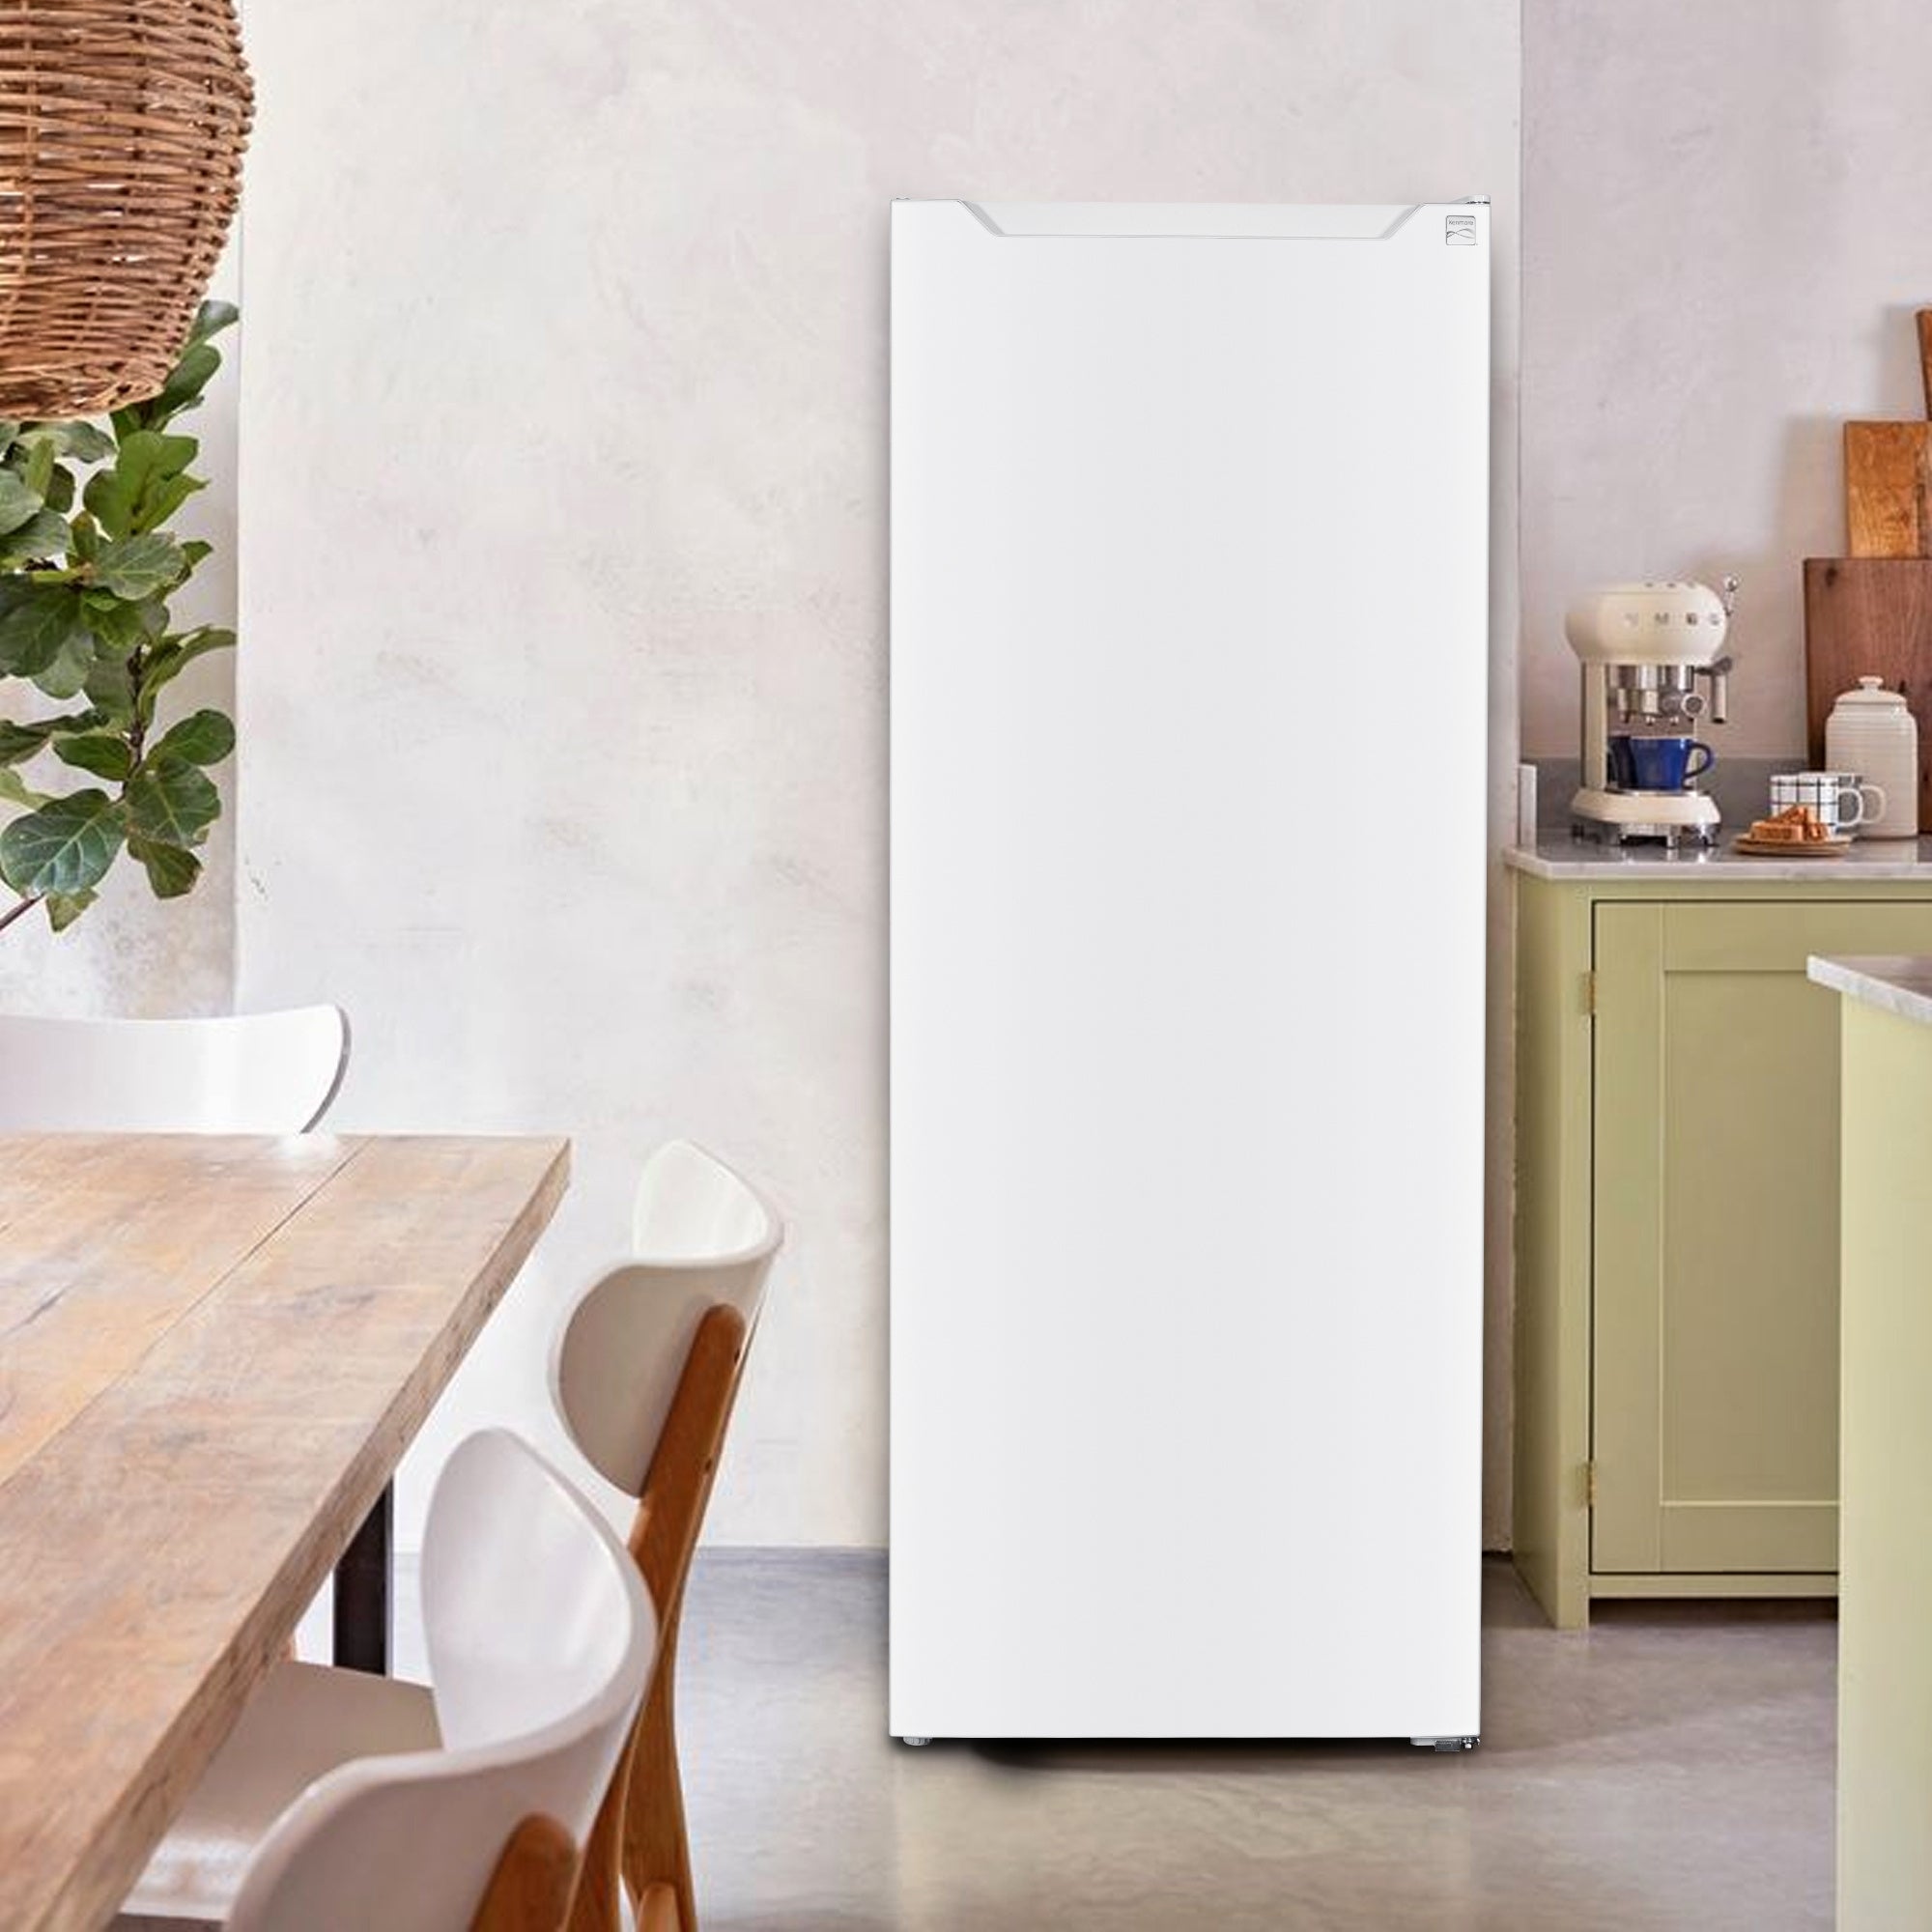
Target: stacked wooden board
{"x": 1869, "y": 613}
{"x": 1889, "y": 476}
{"x": 1888, "y": 484}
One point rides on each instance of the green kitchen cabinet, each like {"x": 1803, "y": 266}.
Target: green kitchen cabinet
{"x": 1677, "y": 1230}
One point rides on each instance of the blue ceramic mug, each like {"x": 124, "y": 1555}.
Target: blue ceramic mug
{"x": 1657, "y": 764}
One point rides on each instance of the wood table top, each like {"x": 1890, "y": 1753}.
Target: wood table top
{"x": 213, "y": 1353}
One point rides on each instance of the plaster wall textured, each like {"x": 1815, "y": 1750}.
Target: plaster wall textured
{"x": 1725, "y": 237}
{"x": 564, "y": 445}
{"x": 132, "y": 955}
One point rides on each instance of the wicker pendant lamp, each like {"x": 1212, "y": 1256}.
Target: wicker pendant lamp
{"x": 122, "y": 125}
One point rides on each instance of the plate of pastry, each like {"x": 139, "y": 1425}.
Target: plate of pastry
{"x": 1795, "y": 833}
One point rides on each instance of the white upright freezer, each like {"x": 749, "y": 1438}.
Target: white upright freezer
{"x": 1190, "y": 670}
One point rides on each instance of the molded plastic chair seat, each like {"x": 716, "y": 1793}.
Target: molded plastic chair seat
{"x": 644, "y": 1371}
{"x": 303, "y": 1722}
{"x": 366, "y": 1803}
{"x": 249, "y": 1073}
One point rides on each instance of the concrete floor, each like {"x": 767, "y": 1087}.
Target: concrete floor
{"x": 1672, "y": 1768}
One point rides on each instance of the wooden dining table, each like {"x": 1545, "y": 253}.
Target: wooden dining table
{"x": 213, "y": 1354}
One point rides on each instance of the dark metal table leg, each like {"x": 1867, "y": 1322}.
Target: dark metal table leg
{"x": 362, "y": 1613}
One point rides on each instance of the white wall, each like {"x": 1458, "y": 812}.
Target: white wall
{"x": 563, "y": 438}
{"x": 565, "y": 484}
{"x": 1725, "y": 234}
{"x": 133, "y": 954}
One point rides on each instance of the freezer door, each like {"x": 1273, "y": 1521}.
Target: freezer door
{"x": 1188, "y": 701}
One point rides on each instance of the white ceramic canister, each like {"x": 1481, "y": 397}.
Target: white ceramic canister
{"x": 1871, "y": 732}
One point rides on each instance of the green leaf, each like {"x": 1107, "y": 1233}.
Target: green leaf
{"x": 14, "y": 788}
{"x": 60, "y": 491}
{"x": 170, "y": 802}
{"x": 101, "y": 752}
{"x": 164, "y": 498}
{"x": 83, "y": 442}
{"x": 66, "y": 846}
{"x": 117, "y": 626}
{"x": 63, "y": 908}
{"x": 146, "y": 485}
{"x": 44, "y": 538}
{"x": 67, "y": 674}
{"x": 19, "y": 742}
{"x": 86, "y": 443}
{"x": 112, "y": 495}
{"x": 111, "y": 691}
{"x": 196, "y": 552}
{"x": 181, "y": 393}
{"x": 190, "y": 376}
{"x": 174, "y": 657}
{"x": 212, "y": 318}
{"x": 38, "y": 471}
{"x": 199, "y": 360}
{"x": 19, "y": 500}
{"x": 37, "y": 626}
{"x": 170, "y": 870}
{"x": 202, "y": 738}
{"x": 8, "y": 430}
{"x": 140, "y": 567}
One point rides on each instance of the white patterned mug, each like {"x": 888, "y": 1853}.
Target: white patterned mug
{"x": 1842, "y": 799}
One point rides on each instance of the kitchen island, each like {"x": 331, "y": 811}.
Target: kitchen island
{"x": 1884, "y": 1554}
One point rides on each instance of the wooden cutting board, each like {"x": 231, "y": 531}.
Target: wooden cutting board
{"x": 1868, "y": 616}
{"x": 1888, "y": 488}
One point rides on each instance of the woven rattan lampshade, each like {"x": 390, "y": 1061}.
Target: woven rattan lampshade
{"x": 122, "y": 125}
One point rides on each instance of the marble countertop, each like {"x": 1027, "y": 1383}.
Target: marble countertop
{"x": 1899, "y": 983}
{"x": 1556, "y": 855}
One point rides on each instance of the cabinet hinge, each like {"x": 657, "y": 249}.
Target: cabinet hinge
{"x": 1590, "y": 1485}
{"x": 1590, "y": 994}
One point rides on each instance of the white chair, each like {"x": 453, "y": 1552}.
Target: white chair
{"x": 255, "y": 1073}
{"x": 645, "y": 1373}
{"x": 342, "y": 1800}
{"x": 700, "y": 1234}
{"x": 250, "y": 1073}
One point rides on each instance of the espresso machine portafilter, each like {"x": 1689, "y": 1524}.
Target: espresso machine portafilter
{"x": 1654, "y": 662}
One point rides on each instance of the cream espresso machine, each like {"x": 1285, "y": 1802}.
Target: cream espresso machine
{"x": 1655, "y": 668}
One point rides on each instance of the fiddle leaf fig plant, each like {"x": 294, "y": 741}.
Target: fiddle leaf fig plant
{"x": 87, "y": 567}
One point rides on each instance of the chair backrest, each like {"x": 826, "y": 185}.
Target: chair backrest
{"x": 704, "y": 1235}
{"x": 690, "y": 1206}
{"x": 256, "y": 1073}
{"x": 541, "y": 1641}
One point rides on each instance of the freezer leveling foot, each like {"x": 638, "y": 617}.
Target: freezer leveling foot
{"x": 1445, "y": 1744}
{"x": 918, "y": 1743}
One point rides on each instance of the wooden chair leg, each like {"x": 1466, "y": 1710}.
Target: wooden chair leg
{"x": 529, "y": 1891}
{"x": 657, "y": 1910}
{"x": 657, "y": 1852}
{"x": 597, "y": 1907}
{"x": 656, "y": 1848}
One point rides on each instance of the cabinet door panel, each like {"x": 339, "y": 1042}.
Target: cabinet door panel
{"x": 1626, "y": 1238}
{"x": 1716, "y": 1212}
{"x": 1748, "y": 1268}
